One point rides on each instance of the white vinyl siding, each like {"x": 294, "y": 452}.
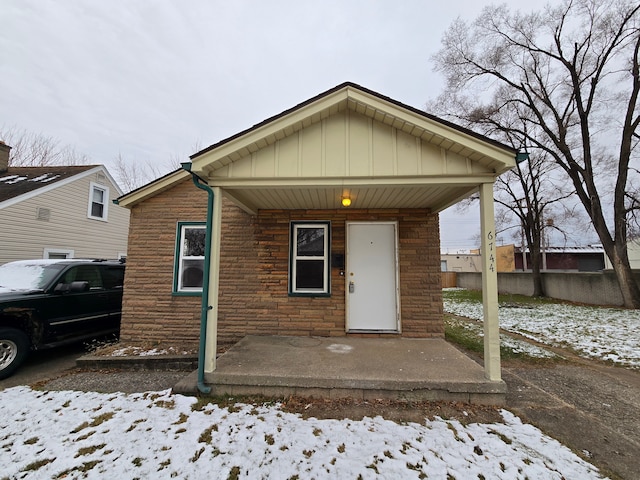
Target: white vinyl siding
{"x": 23, "y": 236}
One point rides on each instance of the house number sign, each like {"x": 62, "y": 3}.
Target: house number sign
{"x": 492, "y": 258}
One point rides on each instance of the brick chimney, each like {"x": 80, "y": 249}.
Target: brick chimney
{"x": 4, "y": 156}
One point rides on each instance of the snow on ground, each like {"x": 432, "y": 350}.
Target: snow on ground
{"x": 516, "y": 345}
{"x": 147, "y": 352}
{"x": 598, "y": 332}
{"x": 158, "y": 435}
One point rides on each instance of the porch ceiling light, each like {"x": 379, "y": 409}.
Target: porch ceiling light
{"x": 346, "y": 201}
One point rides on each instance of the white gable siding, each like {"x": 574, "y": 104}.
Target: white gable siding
{"x": 348, "y": 144}
{"x": 23, "y": 236}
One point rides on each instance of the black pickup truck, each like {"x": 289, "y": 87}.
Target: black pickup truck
{"x": 47, "y": 303}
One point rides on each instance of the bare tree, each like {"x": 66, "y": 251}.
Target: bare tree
{"x": 530, "y": 195}
{"x": 134, "y": 174}
{"x": 526, "y": 195}
{"x": 29, "y": 149}
{"x": 571, "y": 75}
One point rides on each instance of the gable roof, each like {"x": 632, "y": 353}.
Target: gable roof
{"x": 346, "y": 86}
{"x": 18, "y": 183}
{"x": 390, "y": 154}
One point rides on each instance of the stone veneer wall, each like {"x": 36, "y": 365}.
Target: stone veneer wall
{"x": 254, "y": 273}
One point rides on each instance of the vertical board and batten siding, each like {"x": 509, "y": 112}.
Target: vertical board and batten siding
{"x": 23, "y": 236}
{"x": 348, "y": 144}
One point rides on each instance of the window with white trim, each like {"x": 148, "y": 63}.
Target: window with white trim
{"x": 57, "y": 253}
{"x": 190, "y": 248}
{"x": 309, "y": 266}
{"x": 98, "y": 202}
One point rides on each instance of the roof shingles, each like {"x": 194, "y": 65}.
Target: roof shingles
{"x": 16, "y": 181}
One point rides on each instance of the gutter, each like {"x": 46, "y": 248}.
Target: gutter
{"x": 205, "y": 307}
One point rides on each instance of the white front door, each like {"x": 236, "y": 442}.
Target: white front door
{"x": 372, "y": 286}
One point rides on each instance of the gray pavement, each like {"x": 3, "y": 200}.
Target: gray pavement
{"x": 593, "y": 408}
{"x": 361, "y": 368}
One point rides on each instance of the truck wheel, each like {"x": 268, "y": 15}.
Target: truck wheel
{"x": 14, "y": 347}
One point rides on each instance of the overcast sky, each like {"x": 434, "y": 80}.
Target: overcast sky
{"x": 155, "y": 80}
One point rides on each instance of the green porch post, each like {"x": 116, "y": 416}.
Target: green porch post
{"x": 210, "y": 281}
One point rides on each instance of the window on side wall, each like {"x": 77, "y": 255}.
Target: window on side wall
{"x": 98, "y": 202}
{"x": 189, "y": 268}
{"x": 57, "y": 253}
{"x": 309, "y": 269}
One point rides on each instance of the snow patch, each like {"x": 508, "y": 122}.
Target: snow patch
{"x": 157, "y": 435}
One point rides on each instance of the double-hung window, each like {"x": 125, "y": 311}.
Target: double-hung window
{"x": 189, "y": 268}
{"x": 309, "y": 268}
{"x": 98, "y": 202}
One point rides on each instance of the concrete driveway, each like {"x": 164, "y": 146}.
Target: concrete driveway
{"x": 45, "y": 364}
{"x": 588, "y": 406}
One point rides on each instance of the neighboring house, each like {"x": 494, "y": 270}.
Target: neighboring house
{"x": 289, "y": 257}
{"x": 59, "y": 212}
{"x": 509, "y": 258}
{"x": 460, "y": 262}
{"x": 472, "y": 261}
{"x": 633, "y": 251}
{"x": 590, "y": 258}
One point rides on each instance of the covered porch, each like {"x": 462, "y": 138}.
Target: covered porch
{"x": 352, "y": 143}
{"x": 346, "y": 158}
{"x": 361, "y": 368}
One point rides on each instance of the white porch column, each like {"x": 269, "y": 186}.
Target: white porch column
{"x": 214, "y": 282}
{"x": 489, "y": 285}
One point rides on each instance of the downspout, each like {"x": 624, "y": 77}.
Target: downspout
{"x": 198, "y": 182}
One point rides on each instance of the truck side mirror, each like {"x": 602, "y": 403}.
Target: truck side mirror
{"x": 73, "y": 287}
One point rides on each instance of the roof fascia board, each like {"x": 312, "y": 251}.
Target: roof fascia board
{"x": 163, "y": 183}
{"x": 54, "y": 185}
{"x": 324, "y": 182}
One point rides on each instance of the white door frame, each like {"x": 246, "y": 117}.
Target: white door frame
{"x": 396, "y": 276}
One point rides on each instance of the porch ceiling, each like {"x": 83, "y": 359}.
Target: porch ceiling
{"x": 434, "y": 196}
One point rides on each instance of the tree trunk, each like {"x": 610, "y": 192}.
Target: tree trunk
{"x": 536, "y": 262}
{"x": 617, "y": 253}
{"x": 626, "y": 280}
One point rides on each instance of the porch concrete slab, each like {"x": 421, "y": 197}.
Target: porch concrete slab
{"x": 333, "y": 367}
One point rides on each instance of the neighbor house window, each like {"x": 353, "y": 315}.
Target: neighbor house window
{"x": 57, "y": 253}
{"x": 98, "y": 201}
{"x": 309, "y": 259}
{"x": 189, "y": 268}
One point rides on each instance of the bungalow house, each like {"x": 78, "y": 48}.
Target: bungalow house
{"x": 59, "y": 212}
{"x": 322, "y": 221}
